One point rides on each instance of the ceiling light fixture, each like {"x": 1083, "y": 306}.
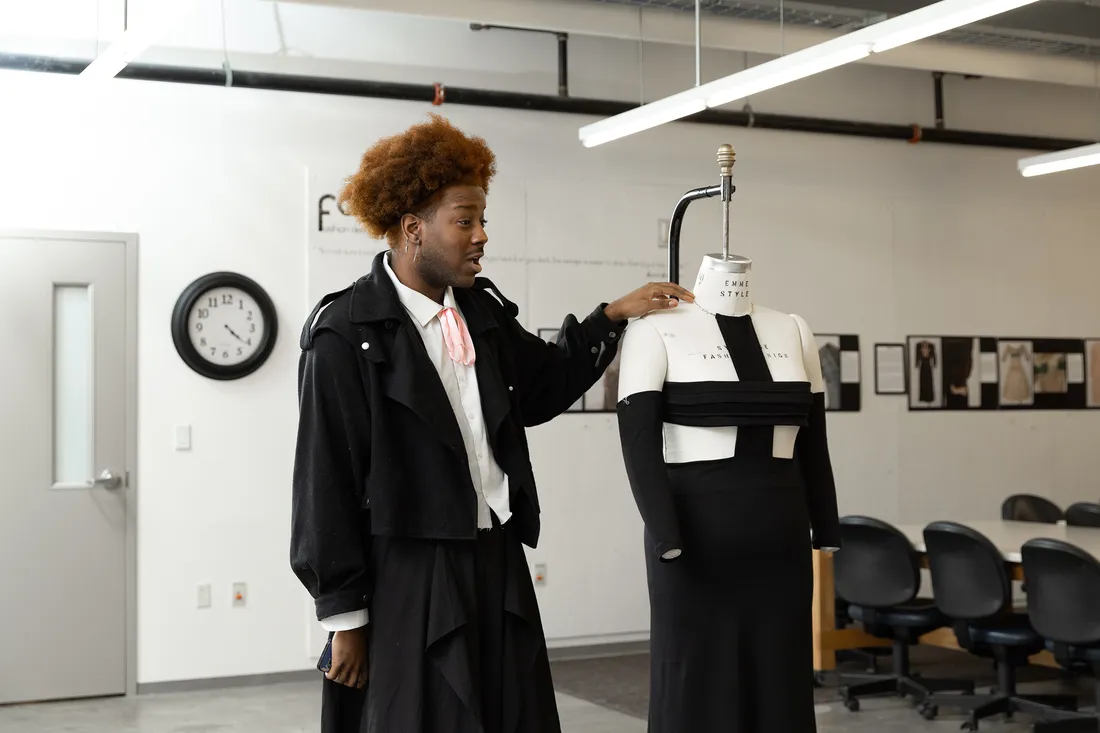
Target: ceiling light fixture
{"x": 135, "y": 40}
{"x": 1062, "y": 160}
{"x": 784, "y": 70}
{"x": 888, "y": 34}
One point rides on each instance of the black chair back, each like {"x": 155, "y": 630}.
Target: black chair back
{"x": 1031, "y": 508}
{"x": 877, "y": 566}
{"x": 969, "y": 577}
{"x": 1083, "y": 514}
{"x": 1063, "y": 591}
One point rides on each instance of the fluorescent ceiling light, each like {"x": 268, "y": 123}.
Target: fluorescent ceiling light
{"x": 898, "y": 31}
{"x": 783, "y": 70}
{"x": 1063, "y": 160}
{"x": 642, "y": 118}
{"x": 136, "y": 39}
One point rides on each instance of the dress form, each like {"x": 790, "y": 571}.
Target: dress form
{"x": 687, "y": 345}
{"x": 721, "y": 416}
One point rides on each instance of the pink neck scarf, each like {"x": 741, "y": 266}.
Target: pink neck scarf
{"x": 456, "y": 336}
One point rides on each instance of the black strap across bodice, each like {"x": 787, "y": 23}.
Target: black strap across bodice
{"x": 755, "y": 403}
{"x": 727, "y": 404}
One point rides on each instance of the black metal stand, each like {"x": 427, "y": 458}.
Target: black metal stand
{"x": 677, "y": 222}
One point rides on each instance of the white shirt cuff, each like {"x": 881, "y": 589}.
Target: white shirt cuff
{"x": 346, "y": 621}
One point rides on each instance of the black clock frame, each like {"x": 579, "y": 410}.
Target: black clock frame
{"x": 182, "y": 312}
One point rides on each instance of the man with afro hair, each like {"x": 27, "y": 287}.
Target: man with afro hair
{"x": 413, "y": 491}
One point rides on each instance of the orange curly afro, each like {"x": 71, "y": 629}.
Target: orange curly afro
{"x": 399, "y": 175}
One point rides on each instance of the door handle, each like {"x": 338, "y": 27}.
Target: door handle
{"x": 107, "y": 480}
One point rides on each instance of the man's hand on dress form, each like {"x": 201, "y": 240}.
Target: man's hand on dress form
{"x": 349, "y": 658}
{"x": 651, "y": 297}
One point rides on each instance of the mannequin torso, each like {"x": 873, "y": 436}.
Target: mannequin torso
{"x": 685, "y": 345}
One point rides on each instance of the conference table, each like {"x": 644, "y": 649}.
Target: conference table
{"x": 1007, "y": 536}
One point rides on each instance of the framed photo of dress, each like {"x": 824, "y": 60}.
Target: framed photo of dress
{"x": 952, "y": 372}
{"x": 925, "y": 367}
{"x": 1043, "y": 374}
{"x": 840, "y": 369}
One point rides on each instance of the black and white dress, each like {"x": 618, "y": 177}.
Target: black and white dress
{"x": 728, "y": 539}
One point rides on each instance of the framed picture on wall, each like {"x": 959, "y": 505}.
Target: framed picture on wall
{"x": 952, "y": 372}
{"x": 1044, "y": 374}
{"x": 1092, "y": 372}
{"x": 925, "y": 368}
{"x": 891, "y": 376}
{"x": 840, "y": 369}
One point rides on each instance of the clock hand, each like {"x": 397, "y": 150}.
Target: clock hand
{"x": 227, "y": 328}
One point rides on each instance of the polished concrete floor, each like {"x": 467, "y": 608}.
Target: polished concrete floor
{"x": 279, "y": 708}
{"x": 292, "y": 708}
{"x": 595, "y": 696}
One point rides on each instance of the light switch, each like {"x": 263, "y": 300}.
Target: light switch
{"x": 183, "y": 437}
{"x": 240, "y": 593}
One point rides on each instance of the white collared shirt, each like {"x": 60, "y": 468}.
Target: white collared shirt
{"x": 460, "y": 383}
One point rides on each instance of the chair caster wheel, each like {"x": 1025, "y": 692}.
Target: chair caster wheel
{"x": 852, "y": 704}
{"x": 969, "y": 725}
{"x": 929, "y": 712}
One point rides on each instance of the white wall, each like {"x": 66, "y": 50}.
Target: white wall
{"x": 877, "y": 238}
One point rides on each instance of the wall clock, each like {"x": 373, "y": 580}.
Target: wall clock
{"x": 224, "y": 325}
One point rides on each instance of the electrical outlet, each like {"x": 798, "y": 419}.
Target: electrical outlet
{"x": 204, "y": 596}
{"x": 183, "y": 437}
{"x": 540, "y": 574}
{"x": 240, "y": 595}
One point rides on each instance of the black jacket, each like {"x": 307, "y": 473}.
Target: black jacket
{"x": 379, "y": 450}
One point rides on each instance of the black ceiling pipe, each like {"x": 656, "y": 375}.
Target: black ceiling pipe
{"x": 563, "y": 49}
{"x": 538, "y": 103}
{"x": 937, "y": 81}
{"x": 563, "y": 64}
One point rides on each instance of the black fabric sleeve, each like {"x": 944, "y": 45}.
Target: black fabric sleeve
{"x": 553, "y": 376}
{"x": 330, "y": 538}
{"x": 812, "y": 452}
{"x": 640, "y": 432}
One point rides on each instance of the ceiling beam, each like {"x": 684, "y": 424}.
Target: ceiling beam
{"x": 660, "y": 26}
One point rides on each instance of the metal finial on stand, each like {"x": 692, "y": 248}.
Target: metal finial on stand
{"x": 726, "y": 159}
{"x": 725, "y": 189}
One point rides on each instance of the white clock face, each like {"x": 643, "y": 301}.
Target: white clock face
{"x": 225, "y": 326}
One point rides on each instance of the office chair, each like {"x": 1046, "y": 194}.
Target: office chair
{"x": 971, "y": 586}
{"x": 1031, "y": 508}
{"x": 878, "y": 572}
{"x": 866, "y": 656}
{"x": 1083, "y": 514}
{"x": 1063, "y": 601}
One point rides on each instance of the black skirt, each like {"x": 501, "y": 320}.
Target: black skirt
{"x": 456, "y": 643}
{"x": 731, "y": 626}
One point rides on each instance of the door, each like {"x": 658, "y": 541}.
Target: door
{"x": 64, "y": 486}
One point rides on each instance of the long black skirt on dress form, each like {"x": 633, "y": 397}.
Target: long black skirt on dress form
{"x": 731, "y": 618}
{"x": 456, "y": 643}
